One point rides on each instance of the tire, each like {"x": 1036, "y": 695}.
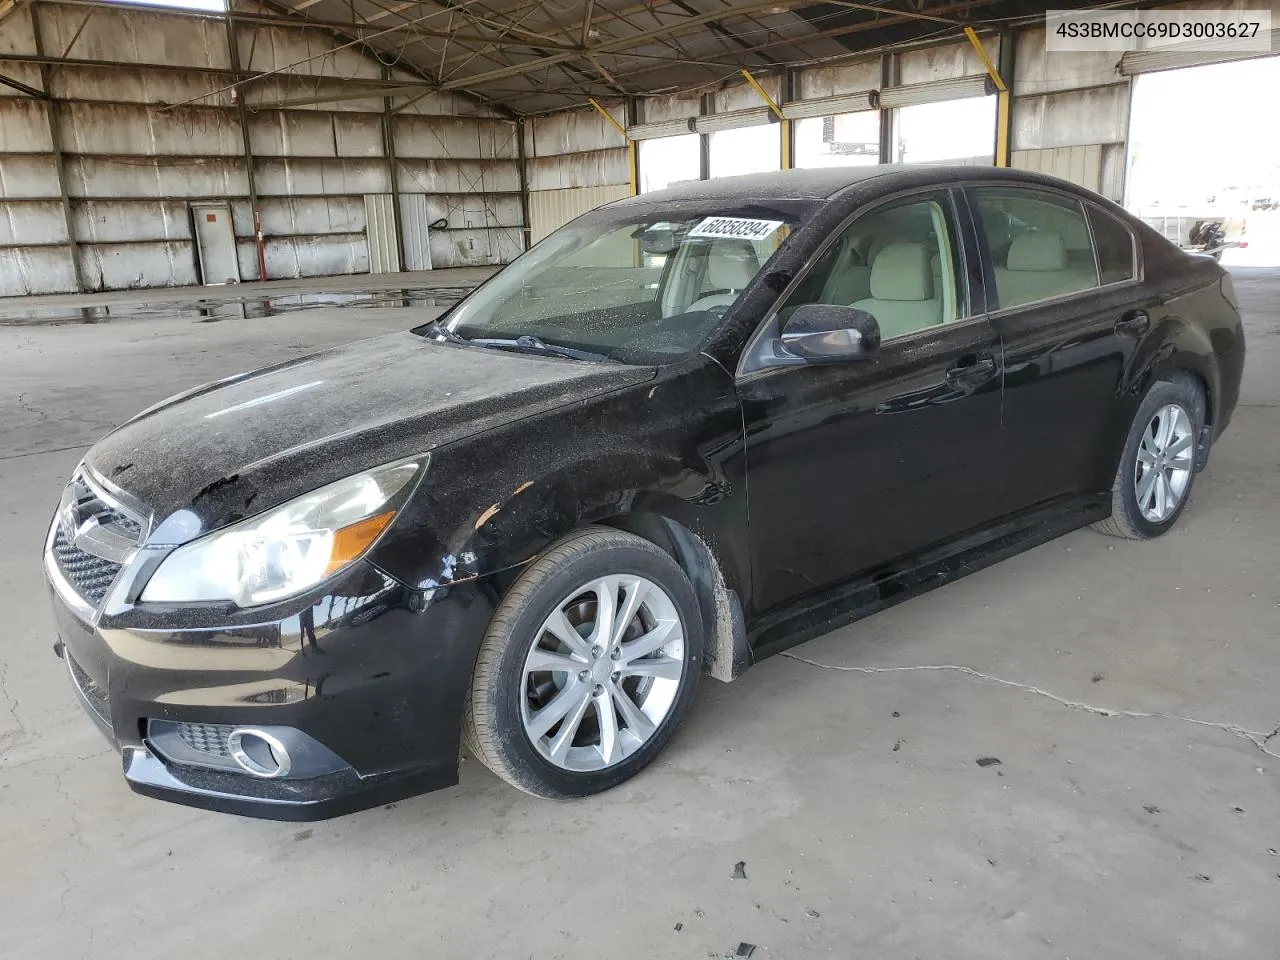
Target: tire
{"x": 503, "y": 722}
{"x": 1143, "y": 520}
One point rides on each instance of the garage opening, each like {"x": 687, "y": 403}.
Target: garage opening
{"x": 1198, "y": 153}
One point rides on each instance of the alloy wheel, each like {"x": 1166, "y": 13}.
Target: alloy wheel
{"x": 603, "y": 673}
{"x": 1162, "y": 472}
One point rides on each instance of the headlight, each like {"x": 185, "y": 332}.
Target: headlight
{"x": 289, "y": 548}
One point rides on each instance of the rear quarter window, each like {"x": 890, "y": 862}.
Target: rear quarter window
{"x": 1114, "y": 243}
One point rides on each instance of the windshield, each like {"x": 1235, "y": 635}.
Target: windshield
{"x": 635, "y": 285}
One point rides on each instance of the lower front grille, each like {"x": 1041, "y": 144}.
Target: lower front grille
{"x": 210, "y": 738}
{"x": 90, "y": 576}
{"x": 95, "y": 695}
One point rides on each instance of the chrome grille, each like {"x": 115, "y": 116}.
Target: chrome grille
{"x": 208, "y": 738}
{"x": 93, "y": 538}
{"x": 90, "y": 576}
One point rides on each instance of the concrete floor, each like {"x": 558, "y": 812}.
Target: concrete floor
{"x": 866, "y": 827}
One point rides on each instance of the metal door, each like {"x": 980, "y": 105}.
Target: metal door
{"x": 215, "y": 243}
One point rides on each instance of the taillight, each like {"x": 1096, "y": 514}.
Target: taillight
{"x": 1229, "y": 291}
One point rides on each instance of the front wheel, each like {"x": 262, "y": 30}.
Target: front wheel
{"x": 588, "y": 667}
{"x": 1157, "y": 467}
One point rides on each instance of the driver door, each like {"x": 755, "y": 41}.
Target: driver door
{"x": 857, "y": 465}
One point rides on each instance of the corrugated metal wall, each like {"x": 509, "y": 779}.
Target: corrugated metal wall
{"x": 132, "y": 164}
{"x": 550, "y": 209}
{"x": 576, "y": 161}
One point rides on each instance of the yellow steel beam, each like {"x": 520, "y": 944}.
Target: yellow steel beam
{"x": 608, "y": 116}
{"x": 786, "y": 158}
{"x": 1002, "y": 99}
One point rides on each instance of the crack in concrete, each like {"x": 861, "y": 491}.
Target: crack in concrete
{"x": 1255, "y": 737}
{"x": 13, "y": 701}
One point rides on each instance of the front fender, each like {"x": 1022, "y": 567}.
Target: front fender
{"x": 492, "y": 502}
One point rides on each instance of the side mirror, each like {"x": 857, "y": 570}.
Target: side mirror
{"x": 829, "y": 333}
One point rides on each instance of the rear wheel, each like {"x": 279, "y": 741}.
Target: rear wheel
{"x": 1157, "y": 467}
{"x": 588, "y": 667}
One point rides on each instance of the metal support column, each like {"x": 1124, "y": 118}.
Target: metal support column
{"x": 55, "y": 139}
{"x": 522, "y": 162}
{"x": 393, "y": 167}
{"x": 233, "y": 55}
{"x": 704, "y": 139}
{"x": 888, "y": 124}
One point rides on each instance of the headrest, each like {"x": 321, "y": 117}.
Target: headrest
{"x": 731, "y": 264}
{"x": 1038, "y": 250}
{"x": 901, "y": 272}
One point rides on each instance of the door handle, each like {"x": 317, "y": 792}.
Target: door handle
{"x": 974, "y": 371}
{"x": 1134, "y": 323}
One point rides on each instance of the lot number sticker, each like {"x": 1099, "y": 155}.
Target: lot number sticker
{"x": 736, "y": 227}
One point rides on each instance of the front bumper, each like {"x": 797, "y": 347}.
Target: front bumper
{"x": 373, "y": 672}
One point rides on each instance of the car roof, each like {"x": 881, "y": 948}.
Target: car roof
{"x": 825, "y": 183}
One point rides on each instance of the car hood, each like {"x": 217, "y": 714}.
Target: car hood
{"x": 233, "y": 448}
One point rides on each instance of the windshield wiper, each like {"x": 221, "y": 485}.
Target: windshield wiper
{"x": 437, "y": 329}
{"x": 531, "y": 344}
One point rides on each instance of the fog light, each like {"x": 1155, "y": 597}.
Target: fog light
{"x": 258, "y": 752}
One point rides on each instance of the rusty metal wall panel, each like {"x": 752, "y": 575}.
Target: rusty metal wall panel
{"x": 673, "y": 107}
{"x": 455, "y": 138}
{"x": 551, "y": 209}
{"x": 380, "y": 233}
{"x": 1047, "y": 71}
{"x": 742, "y": 96}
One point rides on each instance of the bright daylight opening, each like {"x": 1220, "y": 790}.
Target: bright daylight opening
{"x": 1200, "y": 149}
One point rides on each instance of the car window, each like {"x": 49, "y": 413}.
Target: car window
{"x": 643, "y": 284}
{"x": 897, "y": 262}
{"x": 1115, "y": 246}
{"x": 1039, "y": 244}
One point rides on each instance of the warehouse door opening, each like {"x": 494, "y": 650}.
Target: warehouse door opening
{"x": 1203, "y": 149}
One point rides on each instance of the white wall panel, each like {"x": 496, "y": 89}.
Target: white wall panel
{"x": 102, "y": 221}
{"x": 551, "y": 209}
{"x": 27, "y": 176}
{"x": 1095, "y": 115}
{"x": 31, "y": 223}
{"x": 313, "y": 177}
{"x": 125, "y": 266}
{"x": 843, "y": 78}
{"x": 155, "y": 177}
{"x": 36, "y": 270}
{"x": 458, "y": 176}
{"x": 946, "y": 61}
{"x": 136, "y": 129}
{"x": 140, "y": 35}
{"x": 577, "y": 131}
{"x": 601, "y": 168}
{"x": 24, "y": 126}
{"x": 115, "y": 85}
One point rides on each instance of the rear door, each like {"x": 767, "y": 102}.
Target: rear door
{"x": 1062, "y": 278}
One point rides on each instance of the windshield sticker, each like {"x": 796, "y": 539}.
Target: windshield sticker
{"x": 735, "y": 227}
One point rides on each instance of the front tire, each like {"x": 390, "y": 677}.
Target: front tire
{"x": 589, "y": 665}
{"x": 1157, "y": 468}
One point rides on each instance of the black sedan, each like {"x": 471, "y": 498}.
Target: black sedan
{"x": 685, "y": 431}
